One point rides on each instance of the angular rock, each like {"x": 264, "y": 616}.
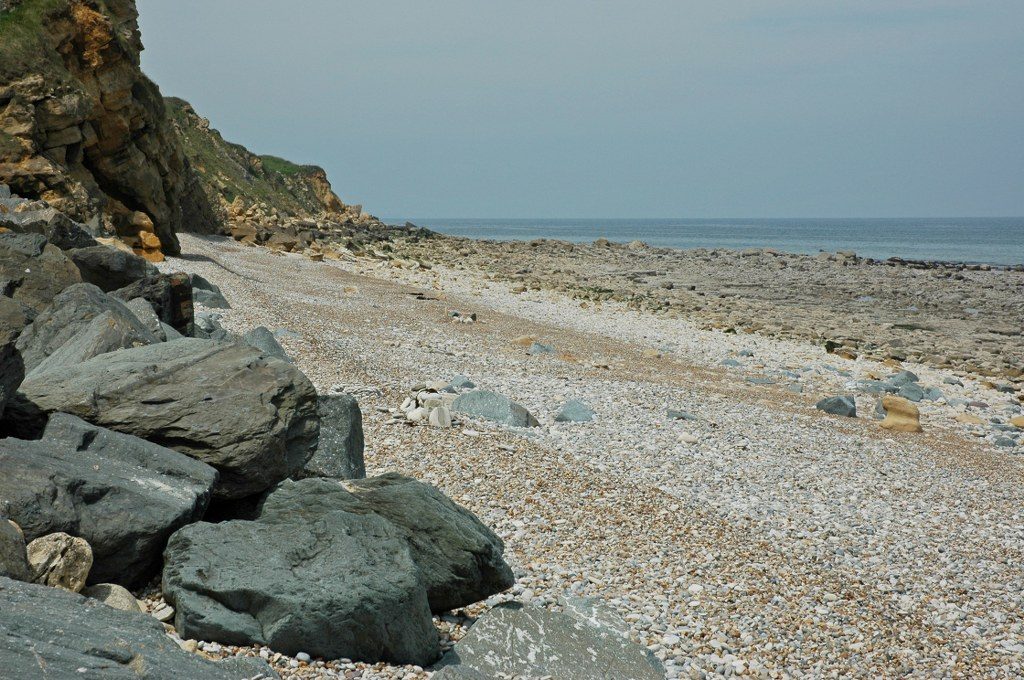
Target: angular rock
{"x": 57, "y": 227}
{"x": 842, "y": 405}
{"x": 440, "y": 416}
{"x": 248, "y": 668}
{"x": 492, "y": 406}
{"x": 263, "y": 339}
{"x": 254, "y": 419}
{"x": 340, "y": 450}
{"x": 461, "y": 382}
{"x": 12, "y": 365}
{"x": 13, "y": 555}
{"x": 903, "y": 378}
{"x": 513, "y": 639}
{"x": 78, "y": 637}
{"x": 145, "y": 313}
{"x": 114, "y": 596}
{"x": 170, "y": 295}
{"x": 540, "y": 348}
{"x": 459, "y": 673}
{"x": 575, "y": 411}
{"x": 122, "y": 494}
{"x": 208, "y": 327}
{"x": 900, "y": 415}
{"x": 32, "y": 271}
{"x": 208, "y": 294}
{"x": 110, "y": 268}
{"x": 911, "y": 392}
{"x": 72, "y": 325}
{"x": 60, "y": 561}
{"x": 307, "y": 575}
{"x": 460, "y": 557}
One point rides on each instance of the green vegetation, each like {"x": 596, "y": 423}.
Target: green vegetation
{"x": 281, "y": 166}
{"x": 22, "y": 46}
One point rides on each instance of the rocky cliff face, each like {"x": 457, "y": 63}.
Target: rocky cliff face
{"x": 83, "y": 128}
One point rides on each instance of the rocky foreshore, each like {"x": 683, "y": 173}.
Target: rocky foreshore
{"x": 968, "y": 317}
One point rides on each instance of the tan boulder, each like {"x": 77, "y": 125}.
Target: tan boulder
{"x": 114, "y": 596}
{"x": 60, "y": 560}
{"x": 1018, "y": 422}
{"x": 900, "y": 415}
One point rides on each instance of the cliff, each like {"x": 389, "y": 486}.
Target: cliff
{"x": 83, "y": 128}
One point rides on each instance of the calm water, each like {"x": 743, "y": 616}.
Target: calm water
{"x": 996, "y": 240}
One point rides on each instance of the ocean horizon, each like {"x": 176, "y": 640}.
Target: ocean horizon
{"x": 976, "y": 240}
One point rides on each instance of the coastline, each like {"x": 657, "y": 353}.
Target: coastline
{"x": 761, "y": 537}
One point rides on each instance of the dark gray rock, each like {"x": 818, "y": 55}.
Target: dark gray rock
{"x": 12, "y": 366}
{"x": 123, "y": 495}
{"x": 932, "y": 394}
{"x": 307, "y": 575}
{"x": 461, "y": 382}
{"x": 111, "y": 268}
{"x": 252, "y": 418}
{"x": 911, "y": 391}
{"x": 575, "y": 411}
{"x": 170, "y": 295}
{"x": 1005, "y": 442}
{"x": 492, "y": 406}
{"x": 146, "y": 315}
{"x": 842, "y": 405}
{"x": 513, "y": 639}
{"x": 58, "y": 228}
{"x": 208, "y": 327}
{"x": 170, "y": 332}
{"x": 248, "y": 667}
{"x": 33, "y": 271}
{"x": 540, "y": 348}
{"x": 340, "y": 451}
{"x": 69, "y": 321}
{"x": 876, "y": 387}
{"x": 208, "y": 294}
{"x": 732, "y": 363}
{"x": 57, "y": 635}
{"x": 263, "y": 339}
{"x": 459, "y": 673}
{"x": 459, "y": 557}
{"x": 675, "y": 414}
{"x": 13, "y": 558}
{"x": 903, "y": 378}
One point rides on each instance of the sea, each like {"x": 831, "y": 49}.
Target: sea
{"x": 980, "y": 240}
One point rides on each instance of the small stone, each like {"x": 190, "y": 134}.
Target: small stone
{"x": 575, "y": 411}
{"x": 440, "y": 417}
{"x": 843, "y": 405}
{"x": 303, "y": 657}
{"x": 969, "y": 419}
{"x": 114, "y": 596}
{"x": 60, "y": 561}
{"x": 540, "y": 348}
{"x": 900, "y": 415}
{"x": 163, "y": 613}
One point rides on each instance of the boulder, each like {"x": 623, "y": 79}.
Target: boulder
{"x": 208, "y": 294}
{"x": 900, "y": 415}
{"x": 13, "y": 555}
{"x": 843, "y": 405}
{"x": 59, "y": 560}
{"x": 903, "y": 378}
{"x": 575, "y": 411}
{"x": 80, "y": 323}
{"x": 208, "y": 327}
{"x": 111, "y": 268}
{"x": 170, "y": 295}
{"x": 340, "y": 451}
{"x": 459, "y": 673}
{"x": 492, "y": 406}
{"x": 124, "y": 495}
{"x": 911, "y": 392}
{"x": 33, "y": 271}
{"x": 77, "y": 637}
{"x": 146, "y": 315}
{"x": 263, "y": 339}
{"x": 516, "y": 640}
{"x": 58, "y": 228}
{"x": 252, "y": 418}
{"x": 114, "y": 596}
{"x": 307, "y": 575}
{"x": 12, "y": 366}
{"x": 459, "y": 557}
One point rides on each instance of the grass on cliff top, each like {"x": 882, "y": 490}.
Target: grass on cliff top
{"x": 281, "y": 166}
{"x": 22, "y": 46}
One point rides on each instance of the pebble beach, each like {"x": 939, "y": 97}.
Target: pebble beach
{"x": 738, "y": 530}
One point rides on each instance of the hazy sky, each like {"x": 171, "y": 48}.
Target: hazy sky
{"x": 660, "y": 108}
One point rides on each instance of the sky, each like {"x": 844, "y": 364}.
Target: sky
{"x": 651, "y": 108}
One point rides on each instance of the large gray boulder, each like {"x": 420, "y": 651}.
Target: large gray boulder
{"x": 33, "y": 271}
{"x": 58, "y": 228}
{"x": 123, "y": 495}
{"x": 493, "y": 406}
{"x": 145, "y": 313}
{"x": 252, "y": 418}
{"x": 843, "y": 405}
{"x": 169, "y": 294}
{"x": 263, "y": 339}
{"x": 460, "y": 557}
{"x": 80, "y": 323}
{"x": 58, "y": 635}
{"x": 517, "y": 640}
{"x": 111, "y": 268}
{"x": 307, "y": 575}
{"x": 12, "y": 367}
{"x": 340, "y": 452}
{"x": 13, "y": 554}
{"x": 208, "y": 294}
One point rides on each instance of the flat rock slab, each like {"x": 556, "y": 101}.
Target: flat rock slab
{"x": 57, "y": 635}
{"x": 493, "y": 406}
{"x": 123, "y": 495}
{"x": 513, "y": 639}
{"x": 110, "y": 268}
{"x": 307, "y": 575}
{"x": 252, "y": 418}
{"x": 340, "y": 452}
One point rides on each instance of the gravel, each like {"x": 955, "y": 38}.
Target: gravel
{"x": 758, "y": 536}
